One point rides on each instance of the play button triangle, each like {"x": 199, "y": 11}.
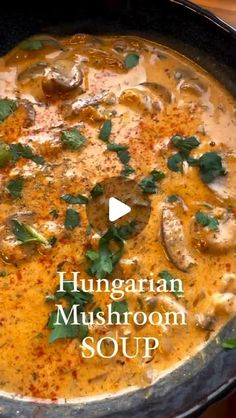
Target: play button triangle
{"x": 117, "y": 209}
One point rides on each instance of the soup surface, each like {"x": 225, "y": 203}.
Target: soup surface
{"x": 73, "y": 112}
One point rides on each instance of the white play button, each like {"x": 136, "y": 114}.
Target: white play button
{"x": 117, "y": 209}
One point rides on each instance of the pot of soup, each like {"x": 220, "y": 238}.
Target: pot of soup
{"x": 117, "y": 210}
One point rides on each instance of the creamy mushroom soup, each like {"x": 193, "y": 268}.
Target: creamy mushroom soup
{"x": 75, "y": 112}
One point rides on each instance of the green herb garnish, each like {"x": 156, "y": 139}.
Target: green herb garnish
{"x": 72, "y": 219}
{"x": 148, "y": 184}
{"x": 88, "y": 230}
{"x": 54, "y": 213}
{"x": 72, "y": 139}
{"x": 75, "y": 200}
{"x": 52, "y": 241}
{"x": 105, "y": 130}
{"x": 3, "y": 274}
{"x": 210, "y": 166}
{"x": 73, "y": 298}
{"x": 173, "y": 198}
{"x": 25, "y": 151}
{"x": 207, "y": 221}
{"x": 127, "y": 170}
{"x": 33, "y": 44}
{"x": 127, "y": 230}
{"x": 96, "y": 311}
{"x": 165, "y": 275}
{"x": 7, "y": 107}
{"x": 97, "y": 190}
{"x": 185, "y": 145}
{"x": 15, "y": 187}
{"x": 103, "y": 260}
{"x": 229, "y": 344}
{"x": 69, "y": 330}
{"x": 119, "y": 307}
{"x": 123, "y": 155}
{"x": 116, "y": 147}
{"x": 26, "y": 234}
{"x": 62, "y": 330}
{"x": 131, "y": 60}
{"x": 175, "y": 163}
{"x": 5, "y": 154}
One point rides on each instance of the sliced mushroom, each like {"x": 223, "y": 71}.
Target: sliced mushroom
{"x": 33, "y": 71}
{"x": 162, "y": 91}
{"x": 189, "y": 82}
{"x": 74, "y": 108}
{"x": 174, "y": 240}
{"x": 104, "y": 59}
{"x": 192, "y": 87}
{"x": 224, "y": 302}
{"x": 229, "y": 282}
{"x": 61, "y": 77}
{"x": 170, "y": 304}
{"x": 205, "y": 321}
{"x": 224, "y": 186}
{"x": 220, "y": 241}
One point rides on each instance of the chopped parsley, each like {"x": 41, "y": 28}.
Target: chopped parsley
{"x": 15, "y": 187}
{"x": 175, "y": 163}
{"x": 127, "y": 170}
{"x": 97, "y": 190}
{"x": 88, "y": 230}
{"x": 31, "y": 44}
{"x": 210, "y": 166}
{"x": 127, "y": 230}
{"x": 105, "y": 130}
{"x": 123, "y": 155}
{"x": 131, "y": 60}
{"x": 26, "y": 234}
{"x": 54, "y": 213}
{"x": 72, "y": 219}
{"x": 3, "y": 274}
{"x": 120, "y": 308}
{"x": 25, "y": 151}
{"x": 96, "y": 312}
{"x": 75, "y": 200}
{"x": 72, "y": 139}
{"x": 52, "y": 241}
{"x": 165, "y": 275}
{"x": 207, "y": 221}
{"x": 79, "y": 297}
{"x": 5, "y": 154}
{"x": 62, "y": 330}
{"x": 184, "y": 145}
{"x": 103, "y": 260}
{"x": 173, "y": 198}
{"x": 229, "y": 344}
{"x": 148, "y": 184}
{"x": 7, "y": 107}
{"x": 34, "y": 44}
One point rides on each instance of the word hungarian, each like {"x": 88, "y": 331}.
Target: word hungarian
{"x": 119, "y": 287}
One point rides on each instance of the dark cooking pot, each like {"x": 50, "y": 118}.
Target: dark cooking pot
{"x": 202, "y": 37}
